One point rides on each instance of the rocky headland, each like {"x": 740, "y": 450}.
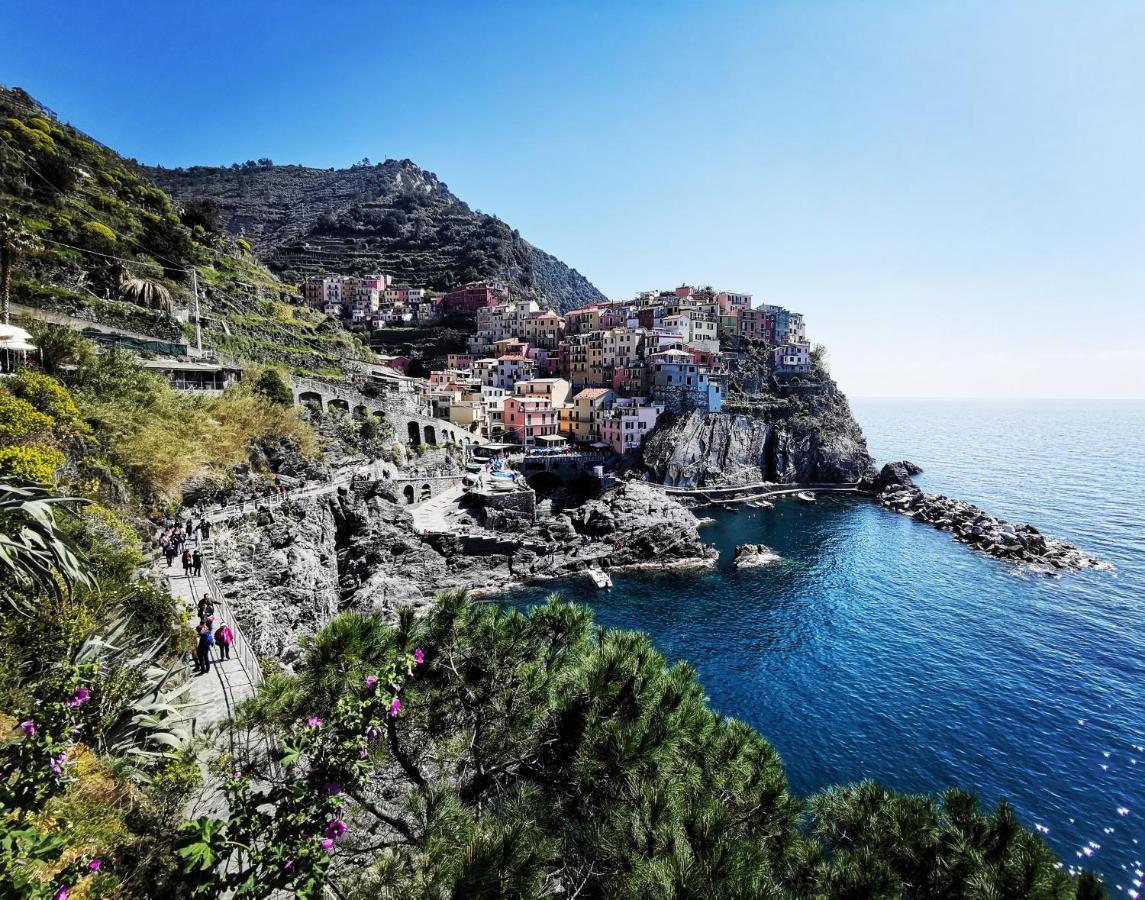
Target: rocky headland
{"x": 1020, "y": 544}
{"x": 787, "y": 433}
{"x": 289, "y": 569}
{"x": 750, "y": 556}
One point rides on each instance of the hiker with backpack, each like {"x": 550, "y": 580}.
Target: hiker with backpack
{"x": 197, "y": 563}
{"x": 187, "y": 562}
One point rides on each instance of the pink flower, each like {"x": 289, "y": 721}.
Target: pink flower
{"x": 418, "y": 656}
{"x": 373, "y": 733}
{"x": 61, "y": 894}
{"x": 79, "y": 698}
{"x": 326, "y": 843}
{"x": 94, "y": 865}
{"x": 335, "y": 829}
{"x": 58, "y": 761}
{"x": 362, "y": 751}
{"x": 371, "y": 681}
{"x": 29, "y": 727}
{"x": 395, "y": 707}
{"x": 288, "y": 865}
{"x": 331, "y": 789}
{"x": 313, "y": 722}
{"x": 237, "y": 773}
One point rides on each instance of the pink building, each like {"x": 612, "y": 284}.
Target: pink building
{"x": 528, "y": 418}
{"x": 473, "y": 297}
{"x": 627, "y": 423}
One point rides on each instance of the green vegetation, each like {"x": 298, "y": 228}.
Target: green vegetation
{"x": 478, "y": 753}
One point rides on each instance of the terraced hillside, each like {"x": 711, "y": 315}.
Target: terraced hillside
{"x": 101, "y": 242}
{"x": 393, "y": 217}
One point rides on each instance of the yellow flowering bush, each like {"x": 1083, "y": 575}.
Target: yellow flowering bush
{"x": 31, "y": 463}
{"x": 21, "y": 422}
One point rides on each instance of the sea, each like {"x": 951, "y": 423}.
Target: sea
{"x": 880, "y": 648}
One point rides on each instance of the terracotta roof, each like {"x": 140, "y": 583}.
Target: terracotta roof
{"x": 592, "y": 393}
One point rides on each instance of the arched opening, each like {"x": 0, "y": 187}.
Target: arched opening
{"x": 544, "y": 482}
{"x": 310, "y": 398}
{"x": 430, "y": 435}
{"x": 361, "y": 411}
{"x": 414, "y": 433}
{"x": 407, "y": 491}
{"x": 426, "y": 492}
{"x": 338, "y": 404}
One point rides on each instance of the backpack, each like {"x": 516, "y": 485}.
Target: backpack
{"x": 210, "y": 637}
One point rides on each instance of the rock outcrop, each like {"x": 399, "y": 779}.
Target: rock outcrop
{"x": 289, "y": 570}
{"x": 707, "y": 449}
{"x": 970, "y": 525}
{"x": 749, "y": 556}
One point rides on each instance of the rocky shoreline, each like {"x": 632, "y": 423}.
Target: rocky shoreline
{"x": 969, "y": 524}
{"x": 288, "y": 570}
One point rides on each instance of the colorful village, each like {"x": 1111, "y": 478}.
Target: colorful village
{"x": 598, "y": 377}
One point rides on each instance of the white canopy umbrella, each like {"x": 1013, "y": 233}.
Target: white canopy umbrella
{"x": 12, "y": 333}
{"x": 17, "y": 345}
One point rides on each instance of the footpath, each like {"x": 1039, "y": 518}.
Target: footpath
{"x": 212, "y": 697}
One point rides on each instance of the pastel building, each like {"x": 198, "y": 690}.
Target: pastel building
{"x": 526, "y": 419}
{"x": 790, "y": 358}
{"x": 680, "y": 384}
{"x": 624, "y": 426}
{"x": 580, "y": 419}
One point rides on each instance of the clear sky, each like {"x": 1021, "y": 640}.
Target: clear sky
{"x": 952, "y": 192}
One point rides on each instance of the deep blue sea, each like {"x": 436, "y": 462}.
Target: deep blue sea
{"x": 881, "y": 648}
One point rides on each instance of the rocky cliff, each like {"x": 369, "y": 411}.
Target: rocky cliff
{"x": 289, "y": 570}
{"x": 725, "y": 448}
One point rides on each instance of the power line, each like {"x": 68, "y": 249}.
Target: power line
{"x": 132, "y": 262}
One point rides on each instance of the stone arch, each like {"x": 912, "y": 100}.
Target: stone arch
{"x": 414, "y": 433}
{"x": 361, "y": 410}
{"x": 310, "y": 398}
{"x": 430, "y": 434}
{"x": 407, "y": 491}
{"x": 544, "y": 481}
{"x": 338, "y": 403}
{"x": 426, "y": 492}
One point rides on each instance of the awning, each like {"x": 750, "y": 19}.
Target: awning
{"x": 12, "y": 333}
{"x": 23, "y": 346}
{"x": 601, "y": 444}
{"x": 552, "y": 438}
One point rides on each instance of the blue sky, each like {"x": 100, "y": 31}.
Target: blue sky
{"x": 951, "y": 192}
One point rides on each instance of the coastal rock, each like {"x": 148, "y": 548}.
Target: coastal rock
{"x": 642, "y": 525}
{"x": 970, "y": 525}
{"x": 287, "y": 571}
{"x": 700, "y": 448}
{"x": 896, "y": 474}
{"x": 749, "y": 556}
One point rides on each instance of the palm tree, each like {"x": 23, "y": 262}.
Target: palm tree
{"x": 15, "y": 241}
{"x": 34, "y": 551}
{"x": 147, "y": 292}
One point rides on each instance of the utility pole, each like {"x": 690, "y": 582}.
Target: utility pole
{"x": 198, "y": 327}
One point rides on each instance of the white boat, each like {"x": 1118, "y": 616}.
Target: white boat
{"x": 806, "y": 496}
{"x": 600, "y": 578}
{"x": 761, "y": 504}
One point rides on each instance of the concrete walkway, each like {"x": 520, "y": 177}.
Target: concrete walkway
{"x": 212, "y": 698}
{"x": 433, "y": 514}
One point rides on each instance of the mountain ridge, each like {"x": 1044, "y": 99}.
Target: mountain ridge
{"x": 391, "y": 216}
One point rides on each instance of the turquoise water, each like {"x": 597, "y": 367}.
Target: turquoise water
{"x": 880, "y": 648}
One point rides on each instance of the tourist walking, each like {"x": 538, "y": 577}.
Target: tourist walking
{"x": 198, "y": 536}
{"x": 203, "y": 649}
{"x": 188, "y": 528}
{"x": 205, "y": 527}
{"x": 224, "y": 637}
{"x": 170, "y": 552}
{"x": 187, "y": 562}
{"x": 203, "y": 601}
{"x": 197, "y": 563}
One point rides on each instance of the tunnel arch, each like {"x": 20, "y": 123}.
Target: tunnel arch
{"x": 430, "y": 435}
{"x": 407, "y": 492}
{"x": 338, "y": 403}
{"x": 310, "y": 398}
{"x": 414, "y": 433}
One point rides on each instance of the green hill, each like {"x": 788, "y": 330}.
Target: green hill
{"x": 110, "y": 246}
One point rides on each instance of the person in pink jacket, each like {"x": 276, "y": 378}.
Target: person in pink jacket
{"x": 224, "y": 637}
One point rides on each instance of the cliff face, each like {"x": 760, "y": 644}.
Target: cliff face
{"x": 808, "y": 439}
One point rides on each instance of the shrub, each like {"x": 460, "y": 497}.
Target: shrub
{"x": 273, "y": 387}
{"x": 51, "y": 398}
{"x": 99, "y": 231}
{"x": 30, "y": 463}
{"x": 21, "y": 422}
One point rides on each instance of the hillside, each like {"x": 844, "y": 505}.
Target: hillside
{"x": 392, "y": 216}
{"x": 104, "y": 244}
